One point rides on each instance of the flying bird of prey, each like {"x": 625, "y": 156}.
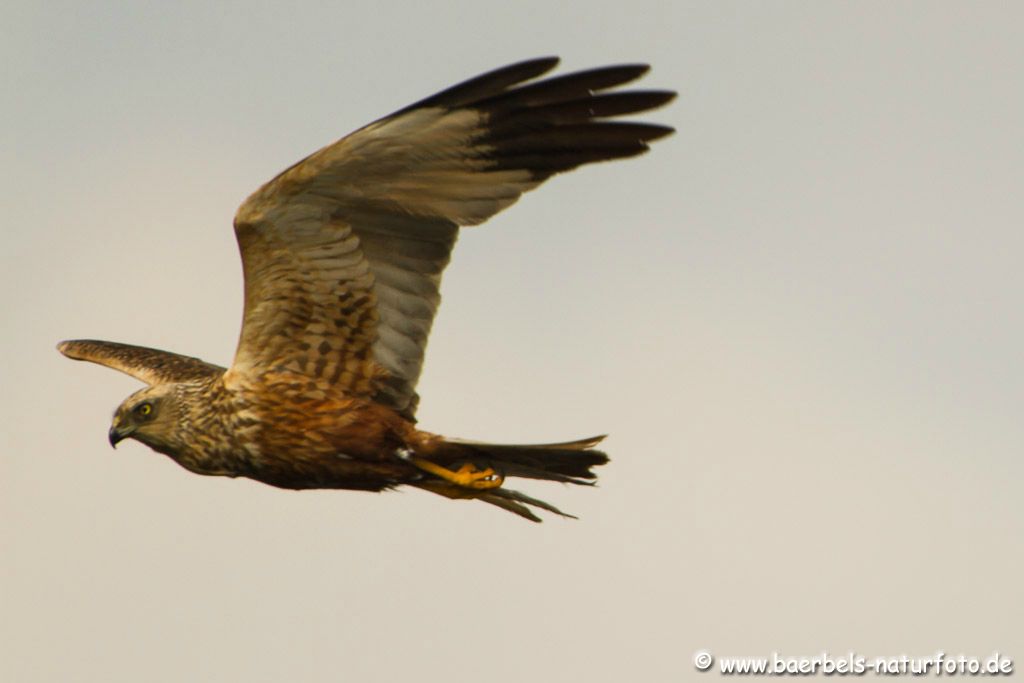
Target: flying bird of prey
{"x": 342, "y": 255}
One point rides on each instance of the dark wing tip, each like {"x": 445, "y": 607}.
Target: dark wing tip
{"x": 625, "y": 72}
{"x": 534, "y": 67}
{"x": 655, "y": 131}
{"x": 489, "y": 84}
{"x": 557, "y": 124}
{"x": 659, "y": 98}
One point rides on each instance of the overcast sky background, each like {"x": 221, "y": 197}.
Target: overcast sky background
{"x": 799, "y": 318}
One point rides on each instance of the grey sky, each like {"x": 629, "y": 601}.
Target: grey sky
{"x": 799, "y": 318}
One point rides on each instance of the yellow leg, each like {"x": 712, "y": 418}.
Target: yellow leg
{"x": 467, "y": 476}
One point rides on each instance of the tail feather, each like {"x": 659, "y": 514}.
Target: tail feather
{"x": 507, "y": 499}
{"x": 516, "y": 502}
{"x": 569, "y": 461}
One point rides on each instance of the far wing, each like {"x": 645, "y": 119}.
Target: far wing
{"x": 343, "y": 252}
{"x": 151, "y": 366}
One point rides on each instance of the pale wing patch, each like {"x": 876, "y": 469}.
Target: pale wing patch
{"x": 426, "y": 162}
{"x": 429, "y": 162}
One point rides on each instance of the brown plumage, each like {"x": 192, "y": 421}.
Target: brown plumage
{"x": 342, "y": 255}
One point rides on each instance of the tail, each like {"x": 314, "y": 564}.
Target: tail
{"x": 568, "y": 462}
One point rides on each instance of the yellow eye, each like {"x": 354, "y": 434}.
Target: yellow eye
{"x": 144, "y": 409}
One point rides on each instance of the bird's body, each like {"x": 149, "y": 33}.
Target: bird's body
{"x": 283, "y": 429}
{"x": 343, "y": 254}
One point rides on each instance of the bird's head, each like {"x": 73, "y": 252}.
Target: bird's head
{"x": 150, "y": 415}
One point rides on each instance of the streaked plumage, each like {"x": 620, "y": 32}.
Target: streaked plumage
{"x": 343, "y": 254}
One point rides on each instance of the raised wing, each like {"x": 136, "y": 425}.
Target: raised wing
{"x": 151, "y": 366}
{"x": 343, "y": 252}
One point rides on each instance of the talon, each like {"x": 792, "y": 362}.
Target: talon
{"x": 467, "y": 476}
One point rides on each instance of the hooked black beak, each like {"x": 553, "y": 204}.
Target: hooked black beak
{"x": 116, "y": 435}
